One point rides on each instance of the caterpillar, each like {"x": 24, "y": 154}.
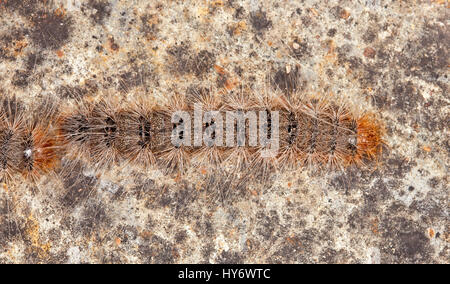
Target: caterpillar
{"x": 29, "y": 146}
{"x": 311, "y": 131}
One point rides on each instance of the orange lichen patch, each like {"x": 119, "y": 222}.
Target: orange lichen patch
{"x": 60, "y": 12}
{"x": 374, "y": 226}
{"x": 440, "y": 2}
{"x": 59, "y": 53}
{"x": 32, "y": 234}
{"x": 15, "y": 48}
{"x": 431, "y": 233}
{"x": 313, "y": 12}
{"x": 220, "y": 70}
{"x": 217, "y": 3}
{"x": 369, "y": 52}
{"x": 344, "y": 14}
{"x": 293, "y": 240}
{"x": 151, "y": 23}
{"x": 331, "y": 49}
{"x": 369, "y": 137}
{"x": 177, "y": 179}
{"x": 152, "y": 20}
{"x": 237, "y": 28}
{"x": 146, "y": 235}
{"x": 202, "y": 12}
{"x": 230, "y": 82}
{"x": 19, "y": 46}
{"x": 427, "y": 148}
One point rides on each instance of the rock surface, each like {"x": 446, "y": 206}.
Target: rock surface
{"x": 392, "y": 55}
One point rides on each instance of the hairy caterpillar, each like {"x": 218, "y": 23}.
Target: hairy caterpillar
{"x": 29, "y": 145}
{"x": 311, "y": 131}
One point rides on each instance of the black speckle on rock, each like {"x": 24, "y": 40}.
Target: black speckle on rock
{"x": 432, "y": 122}
{"x": 353, "y": 62}
{"x": 328, "y": 255}
{"x": 292, "y": 251}
{"x": 204, "y": 62}
{"x": 181, "y": 58}
{"x": 398, "y": 167}
{"x": 127, "y": 233}
{"x": 177, "y": 200}
{"x": 51, "y": 30}
{"x": 239, "y": 12}
{"x": 113, "y": 44}
{"x": 135, "y": 76}
{"x": 339, "y": 12}
{"x": 369, "y": 76}
{"x": 345, "y": 57}
{"x": 144, "y": 189}
{"x": 207, "y": 250}
{"x": 55, "y": 235}
{"x": 9, "y": 44}
{"x": 230, "y": 257}
{"x": 378, "y": 193}
{"x": 369, "y": 36}
{"x": 158, "y": 251}
{"x": 406, "y": 96}
{"x": 111, "y": 257}
{"x": 346, "y": 180}
{"x": 150, "y": 26}
{"x": 268, "y": 225}
{"x": 433, "y": 182}
{"x": 331, "y": 32}
{"x": 11, "y": 225}
{"x": 383, "y": 55}
{"x": 300, "y": 49}
{"x": 21, "y": 78}
{"x": 288, "y": 82}
{"x": 259, "y": 21}
{"x": 33, "y": 60}
{"x": 404, "y": 241}
{"x": 432, "y": 207}
{"x": 181, "y": 236}
{"x": 330, "y": 73}
{"x": 222, "y": 81}
{"x": 184, "y": 61}
{"x": 93, "y": 218}
{"x": 205, "y": 228}
{"x": 357, "y": 219}
{"x": 78, "y": 186}
{"x": 58, "y": 258}
{"x": 23, "y": 7}
{"x": 427, "y": 55}
{"x": 77, "y": 92}
{"x": 102, "y": 10}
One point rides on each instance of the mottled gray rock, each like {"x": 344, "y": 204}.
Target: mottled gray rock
{"x": 392, "y": 55}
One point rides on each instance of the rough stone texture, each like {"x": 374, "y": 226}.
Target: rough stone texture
{"x": 389, "y": 54}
